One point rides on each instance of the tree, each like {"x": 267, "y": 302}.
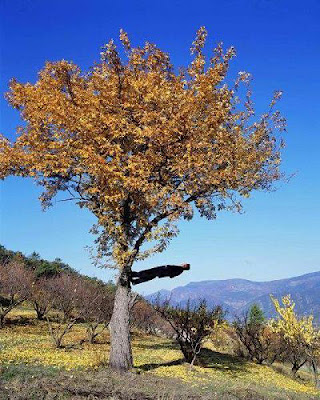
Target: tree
{"x": 94, "y": 305}
{"x": 256, "y": 316}
{"x": 16, "y": 283}
{"x": 62, "y": 291}
{"x": 191, "y": 325}
{"x": 257, "y": 341}
{"x": 45, "y": 268}
{"x": 302, "y": 338}
{"x": 41, "y": 297}
{"x": 5, "y": 255}
{"x": 145, "y": 318}
{"x": 141, "y": 146}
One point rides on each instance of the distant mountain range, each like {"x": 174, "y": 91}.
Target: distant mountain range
{"x": 237, "y": 295}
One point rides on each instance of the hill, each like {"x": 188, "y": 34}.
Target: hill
{"x": 32, "y": 368}
{"x": 236, "y": 295}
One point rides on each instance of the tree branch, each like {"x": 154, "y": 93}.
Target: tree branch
{"x": 154, "y": 222}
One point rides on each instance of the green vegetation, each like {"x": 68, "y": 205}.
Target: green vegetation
{"x": 256, "y": 315}
{"x": 40, "y": 266}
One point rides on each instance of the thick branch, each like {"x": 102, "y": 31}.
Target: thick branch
{"x": 154, "y": 222}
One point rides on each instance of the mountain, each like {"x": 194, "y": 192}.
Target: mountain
{"x": 237, "y": 295}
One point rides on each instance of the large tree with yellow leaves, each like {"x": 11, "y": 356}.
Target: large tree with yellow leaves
{"x": 141, "y": 145}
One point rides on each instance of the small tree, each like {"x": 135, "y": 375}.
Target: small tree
{"x": 302, "y": 339}
{"x": 191, "y": 325}
{"x": 16, "y": 283}
{"x": 257, "y": 342}
{"x": 256, "y": 316}
{"x": 63, "y": 291}
{"x": 42, "y": 297}
{"x": 142, "y": 146}
{"x": 145, "y": 318}
{"x": 94, "y": 305}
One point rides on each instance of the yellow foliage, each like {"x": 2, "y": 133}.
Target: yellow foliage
{"x": 296, "y": 330}
{"x": 137, "y": 143}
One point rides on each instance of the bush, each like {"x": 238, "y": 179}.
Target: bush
{"x": 256, "y": 340}
{"x": 191, "y": 325}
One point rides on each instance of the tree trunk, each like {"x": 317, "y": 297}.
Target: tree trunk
{"x": 40, "y": 315}
{"x": 315, "y": 373}
{"x": 2, "y": 316}
{"x": 120, "y": 351}
{"x": 294, "y": 370}
{"x": 296, "y": 366}
{"x": 187, "y": 351}
{"x": 91, "y": 333}
{"x": 40, "y": 311}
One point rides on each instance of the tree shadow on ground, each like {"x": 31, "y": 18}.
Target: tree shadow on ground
{"x": 206, "y": 359}
{"x": 157, "y": 346}
{"x": 151, "y": 366}
{"x": 221, "y": 361}
{"x": 20, "y": 320}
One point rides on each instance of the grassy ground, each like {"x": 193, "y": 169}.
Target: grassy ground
{"x": 31, "y": 368}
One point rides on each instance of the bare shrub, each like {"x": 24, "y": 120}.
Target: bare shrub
{"x": 191, "y": 325}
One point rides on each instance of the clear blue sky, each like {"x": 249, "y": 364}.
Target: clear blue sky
{"x": 277, "y": 41}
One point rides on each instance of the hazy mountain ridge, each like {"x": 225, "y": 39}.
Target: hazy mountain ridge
{"x": 236, "y": 295}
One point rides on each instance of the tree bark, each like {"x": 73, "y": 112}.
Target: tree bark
{"x": 295, "y": 368}
{"x": 40, "y": 315}
{"x": 120, "y": 351}
{"x": 41, "y": 311}
{"x": 187, "y": 352}
{"x": 315, "y": 373}
{"x": 2, "y": 321}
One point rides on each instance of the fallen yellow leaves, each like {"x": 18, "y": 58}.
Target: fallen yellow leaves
{"x": 31, "y": 344}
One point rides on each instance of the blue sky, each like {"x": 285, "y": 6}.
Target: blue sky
{"x": 277, "y": 41}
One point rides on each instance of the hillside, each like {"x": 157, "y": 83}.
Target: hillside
{"x": 236, "y": 295}
{"x": 32, "y": 368}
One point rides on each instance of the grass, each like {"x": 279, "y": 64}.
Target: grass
{"x": 32, "y": 367}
